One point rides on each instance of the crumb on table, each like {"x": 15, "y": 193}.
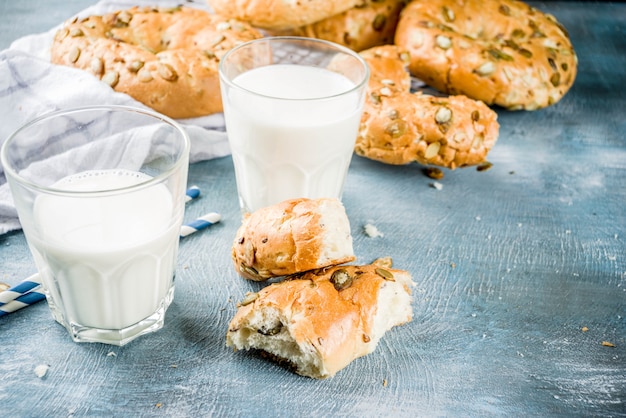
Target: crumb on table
{"x": 371, "y": 231}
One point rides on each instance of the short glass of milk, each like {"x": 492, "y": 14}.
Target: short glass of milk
{"x": 99, "y": 193}
{"x": 292, "y": 108}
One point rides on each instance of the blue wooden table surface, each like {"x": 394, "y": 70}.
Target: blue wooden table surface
{"x": 520, "y": 272}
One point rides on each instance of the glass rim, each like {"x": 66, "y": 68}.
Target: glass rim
{"x": 10, "y": 171}
{"x": 339, "y": 48}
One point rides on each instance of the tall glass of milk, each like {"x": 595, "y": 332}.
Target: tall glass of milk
{"x": 292, "y": 108}
{"x": 100, "y": 196}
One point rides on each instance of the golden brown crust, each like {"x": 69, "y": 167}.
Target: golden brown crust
{"x": 361, "y": 27}
{"x": 334, "y": 325}
{"x": 399, "y": 127}
{"x": 503, "y": 52}
{"x": 291, "y": 237}
{"x": 165, "y": 58}
{"x": 281, "y": 14}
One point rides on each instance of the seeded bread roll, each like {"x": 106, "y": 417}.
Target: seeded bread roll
{"x": 165, "y": 58}
{"x": 361, "y": 27}
{"x": 503, "y": 52}
{"x": 400, "y": 127}
{"x": 322, "y": 320}
{"x": 291, "y": 237}
{"x": 281, "y": 14}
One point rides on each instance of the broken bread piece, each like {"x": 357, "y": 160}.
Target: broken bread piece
{"x": 321, "y": 320}
{"x": 291, "y": 237}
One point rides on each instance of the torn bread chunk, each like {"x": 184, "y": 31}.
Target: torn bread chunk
{"x": 320, "y": 321}
{"x": 291, "y": 237}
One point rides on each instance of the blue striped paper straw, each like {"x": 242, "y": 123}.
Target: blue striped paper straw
{"x": 22, "y": 301}
{"x": 18, "y": 290}
{"x": 192, "y": 193}
{"x": 199, "y": 224}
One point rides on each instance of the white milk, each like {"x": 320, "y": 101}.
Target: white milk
{"x": 285, "y": 149}
{"x": 111, "y": 258}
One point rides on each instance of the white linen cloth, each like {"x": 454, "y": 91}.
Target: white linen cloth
{"x": 31, "y": 86}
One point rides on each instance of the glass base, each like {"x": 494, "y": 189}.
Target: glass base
{"x": 119, "y": 337}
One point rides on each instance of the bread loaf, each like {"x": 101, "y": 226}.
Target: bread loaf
{"x": 166, "y": 58}
{"x": 281, "y": 14}
{"x": 361, "y": 27}
{"x": 321, "y": 321}
{"x": 502, "y": 52}
{"x": 400, "y": 127}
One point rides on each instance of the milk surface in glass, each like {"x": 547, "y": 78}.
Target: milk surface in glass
{"x": 111, "y": 258}
{"x": 295, "y": 136}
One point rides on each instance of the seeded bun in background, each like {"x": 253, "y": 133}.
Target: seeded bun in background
{"x": 281, "y": 14}
{"x": 166, "y": 58}
{"x": 322, "y": 320}
{"x": 364, "y": 26}
{"x": 502, "y": 52}
{"x": 400, "y": 127}
{"x": 291, "y": 237}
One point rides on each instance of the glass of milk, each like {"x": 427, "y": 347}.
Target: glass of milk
{"x": 100, "y": 196}
{"x": 292, "y": 107}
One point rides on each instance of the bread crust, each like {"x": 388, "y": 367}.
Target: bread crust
{"x": 502, "y": 52}
{"x": 291, "y": 237}
{"x": 400, "y": 127}
{"x": 317, "y": 327}
{"x": 361, "y": 27}
{"x": 165, "y": 58}
{"x": 281, "y": 14}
